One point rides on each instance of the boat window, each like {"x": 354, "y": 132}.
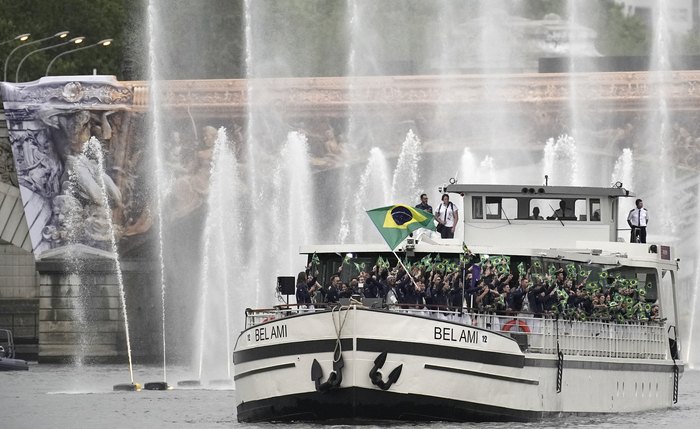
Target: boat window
{"x": 551, "y": 208}
{"x": 501, "y": 208}
{"x": 595, "y": 209}
{"x": 477, "y": 208}
{"x": 580, "y": 210}
{"x": 666, "y": 295}
{"x": 649, "y": 280}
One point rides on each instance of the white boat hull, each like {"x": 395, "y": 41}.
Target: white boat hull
{"x": 450, "y": 371}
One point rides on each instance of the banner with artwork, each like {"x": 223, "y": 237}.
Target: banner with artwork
{"x": 62, "y": 186}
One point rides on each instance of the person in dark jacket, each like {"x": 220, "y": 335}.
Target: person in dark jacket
{"x": 517, "y": 295}
{"x": 302, "y": 293}
{"x": 536, "y": 296}
{"x": 456, "y": 294}
{"x": 333, "y": 293}
{"x": 371, "y": 287}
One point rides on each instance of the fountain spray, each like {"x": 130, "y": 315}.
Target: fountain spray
{"x": 157, "y": 143}
{"x": 93, "y": 149}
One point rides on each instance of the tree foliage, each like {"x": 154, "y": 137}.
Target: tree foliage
{"x": 207, "y": 39}
{"x": 94, "y": 19}
{"x": 618, "y": 34}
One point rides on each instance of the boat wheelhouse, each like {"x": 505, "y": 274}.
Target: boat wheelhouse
{"x": 368, "y": 359}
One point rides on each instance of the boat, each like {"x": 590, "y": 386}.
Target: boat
{"x": 7, "y": 353}
{"x": 366, "y": 359}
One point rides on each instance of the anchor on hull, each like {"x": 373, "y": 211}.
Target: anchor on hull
{"x": 376, "y": 376}
{"x": 335, "y": 377}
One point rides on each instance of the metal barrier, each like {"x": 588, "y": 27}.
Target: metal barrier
{"x": 641, "y": 340}
{"x": 535, "y": 333}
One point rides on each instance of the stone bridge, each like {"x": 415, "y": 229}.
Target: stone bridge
{"x": 616, "y": 108}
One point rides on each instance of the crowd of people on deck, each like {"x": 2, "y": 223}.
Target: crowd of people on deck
{"x": 490, "y": 284}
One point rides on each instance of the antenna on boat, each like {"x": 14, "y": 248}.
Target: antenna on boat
{"x": 504, "y": 214}
{"x": 546, "y": 180}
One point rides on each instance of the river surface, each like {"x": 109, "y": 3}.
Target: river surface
{"x": 59, "y": 396}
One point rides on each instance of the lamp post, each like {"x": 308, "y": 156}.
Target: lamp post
{"x": 105, "y": 42}
{"x": 60, "y": 35}
{"x": 21, "y": 38}
{"x": 76, "y": 40}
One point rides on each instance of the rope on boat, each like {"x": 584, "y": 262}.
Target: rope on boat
{"x": 338, "y": 326}
{"x": 560, "y": 358}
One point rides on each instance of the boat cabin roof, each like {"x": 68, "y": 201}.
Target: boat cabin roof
{"x": 529, "y": 190}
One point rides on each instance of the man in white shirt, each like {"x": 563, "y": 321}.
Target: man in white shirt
{"x": 638, "y": 219}
{"x": 447, "y": 217}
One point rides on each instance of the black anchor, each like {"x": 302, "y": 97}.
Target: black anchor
{"x": 334, "y": 379}
{"x": 376, "y": 376}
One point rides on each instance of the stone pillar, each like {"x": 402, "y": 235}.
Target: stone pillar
{"x": 79, "y": 315}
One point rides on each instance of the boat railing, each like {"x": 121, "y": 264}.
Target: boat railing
{"x": 257, "y": 316}
{"x": 535, "y": 333}
{"x": 596, "y": 338}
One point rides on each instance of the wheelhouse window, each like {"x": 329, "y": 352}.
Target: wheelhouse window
{"x": 558, "y": 209}
{"x": 477, "y": 208}
{"x": 501, "y": 208}
{"x": 595, "y": 209}
{"x": 579, "y": 209}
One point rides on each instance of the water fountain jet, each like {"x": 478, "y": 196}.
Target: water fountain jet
{"x": 160, "y": 174}
{"x": 221, "y": 247}
{"x": 92, "y": 149}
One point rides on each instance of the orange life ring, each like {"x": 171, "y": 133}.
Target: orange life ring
{"x": 268, "y": 319}
{"x": 521, "y": 324}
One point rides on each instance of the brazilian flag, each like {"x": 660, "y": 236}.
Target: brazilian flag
{"x": 396, "y": 222}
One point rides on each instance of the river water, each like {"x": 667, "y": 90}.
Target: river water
{"x": 57, "y": 396}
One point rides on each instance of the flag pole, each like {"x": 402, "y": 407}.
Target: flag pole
{"x": 405, "y": 269}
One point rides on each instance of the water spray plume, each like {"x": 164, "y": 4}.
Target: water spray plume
{"x": 92, "y": 149}
{"x": 160, "y": 175}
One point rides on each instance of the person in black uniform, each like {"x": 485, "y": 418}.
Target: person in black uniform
{"x": 333, "y": 293}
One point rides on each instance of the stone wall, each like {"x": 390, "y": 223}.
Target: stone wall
{"x": 79, "y": 316}
{"x": 19, "y": 298}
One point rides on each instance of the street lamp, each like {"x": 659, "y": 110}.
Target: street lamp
{"x": 60, "y": 35}
{"x": 76, "y": 40}
{"x": 105, "y": 42}
{"x": 21, "y": 38}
